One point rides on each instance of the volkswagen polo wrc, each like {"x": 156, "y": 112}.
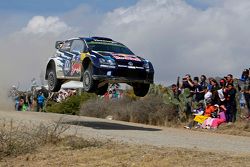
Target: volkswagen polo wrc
{"x": 98, "y": 61}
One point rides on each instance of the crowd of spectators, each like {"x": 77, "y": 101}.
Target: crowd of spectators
{"x": 63, "y": 94}
{"x": 32, "y": 100}
{"x": 216, "y": 99}
{"x": 114, "y": 92}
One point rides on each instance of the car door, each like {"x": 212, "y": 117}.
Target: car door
{"x": 65, "y": 58}
{"x": 76, "y": 50}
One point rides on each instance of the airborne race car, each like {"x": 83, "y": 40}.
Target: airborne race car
{"x": 96, "y": 62}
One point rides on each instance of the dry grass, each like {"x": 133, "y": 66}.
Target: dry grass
{"x": 45, "y": 145}
{"x": 19, "y": 138}
{"x": 118, "y": 155}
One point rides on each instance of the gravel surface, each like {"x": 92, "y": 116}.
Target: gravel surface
{"x": 138, "y": 133}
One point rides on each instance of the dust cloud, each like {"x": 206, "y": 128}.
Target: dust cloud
{"x": 23, "y": 57}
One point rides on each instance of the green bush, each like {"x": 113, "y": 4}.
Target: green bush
{"x": 70, "y": 105}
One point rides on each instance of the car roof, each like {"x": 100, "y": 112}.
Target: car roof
{"x": 100, "y": 39}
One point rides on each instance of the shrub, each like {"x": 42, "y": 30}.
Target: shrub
{"x": 149, "y": 110}
{"x": 70, "y": 105}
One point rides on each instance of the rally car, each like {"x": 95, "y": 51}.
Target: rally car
{"x": 98, "y": 61}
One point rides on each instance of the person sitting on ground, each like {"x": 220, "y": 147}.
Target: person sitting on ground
{"x": 217, "y": 117}
{"x": 198, "y": 117}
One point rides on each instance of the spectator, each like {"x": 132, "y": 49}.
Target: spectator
{"x": 203, "y": 82}
{"x": 229, "y": 79}
{"x": 175, "y": 91}
{"x": 187, "y": 82}
{"x": 214, "y": 90}
{"x": 198, "y": 117}
{"x": 222, "y": 92}
{"x": 246, "y": 91}
{"x": 198, "y": 92}
{"x": 244, "y": 75}
{"x": 231, "y": 104}
{"x": 40, "y": 102}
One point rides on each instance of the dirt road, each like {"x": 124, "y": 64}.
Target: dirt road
{"x": 137, "y": 133}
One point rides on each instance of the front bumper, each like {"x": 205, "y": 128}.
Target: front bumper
{"x": 123, "y": 75}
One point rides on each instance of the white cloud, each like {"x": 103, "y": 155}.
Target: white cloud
{"x": 42, "y": 25}
{"x": 179, "y": 38}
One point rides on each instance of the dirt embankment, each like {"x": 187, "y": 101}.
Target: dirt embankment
{"x": 127, "y": 144}
{"x": 138, "y": 133}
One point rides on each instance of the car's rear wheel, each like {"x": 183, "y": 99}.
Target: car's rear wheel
{"x": 140, "y": 89}
{"x": 102, "y": 90}
{"x": 89, "y": 84}
{"x": 54, "y": 84}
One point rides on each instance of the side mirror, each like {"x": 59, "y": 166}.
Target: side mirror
{"x": 58, "y": 44}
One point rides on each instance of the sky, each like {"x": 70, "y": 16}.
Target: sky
{"x": 208, "y": 37}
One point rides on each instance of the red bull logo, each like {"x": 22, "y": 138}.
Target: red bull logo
{"x": 76, "y": 68}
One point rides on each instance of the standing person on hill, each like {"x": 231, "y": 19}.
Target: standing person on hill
{"x": 203, "y": 84}
{"x": 229, "y": 79}
{"x": 200, "y": 88}
{"x": 40, "y": 102}
{"x": 246, "y": 90}
{"x": 231, "y": 103}
{"x": 222, "y": 94}
{"x": 187, "y": 82}
{"x": 176, "y": 91}
{"x": 214, "y": 86}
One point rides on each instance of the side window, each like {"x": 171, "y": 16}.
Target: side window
{"x": 66, "y": 46}
{"x": 77, "y": 45}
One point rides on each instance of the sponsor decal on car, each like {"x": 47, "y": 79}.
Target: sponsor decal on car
{"x": 66, "y": 67}
{"x": 76, "y": 68}
{"x": 126, "y": 57}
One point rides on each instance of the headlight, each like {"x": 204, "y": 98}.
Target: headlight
{"x": 109, "y": 62}
{"x": 146, "y": 65}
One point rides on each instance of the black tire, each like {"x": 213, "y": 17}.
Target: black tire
{"x": 102, "y": 90}
{"x": 54, "y": 84}
{"x": 140, "y": 89}
{"x": 89, "y": 84}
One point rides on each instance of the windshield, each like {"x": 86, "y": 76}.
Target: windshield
{"x": 109, "y": 47}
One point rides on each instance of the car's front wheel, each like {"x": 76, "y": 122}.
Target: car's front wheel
{"x": 54, "y": 84}
{"x": 140, "y": 89}
{"x": 89, "y": 84}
